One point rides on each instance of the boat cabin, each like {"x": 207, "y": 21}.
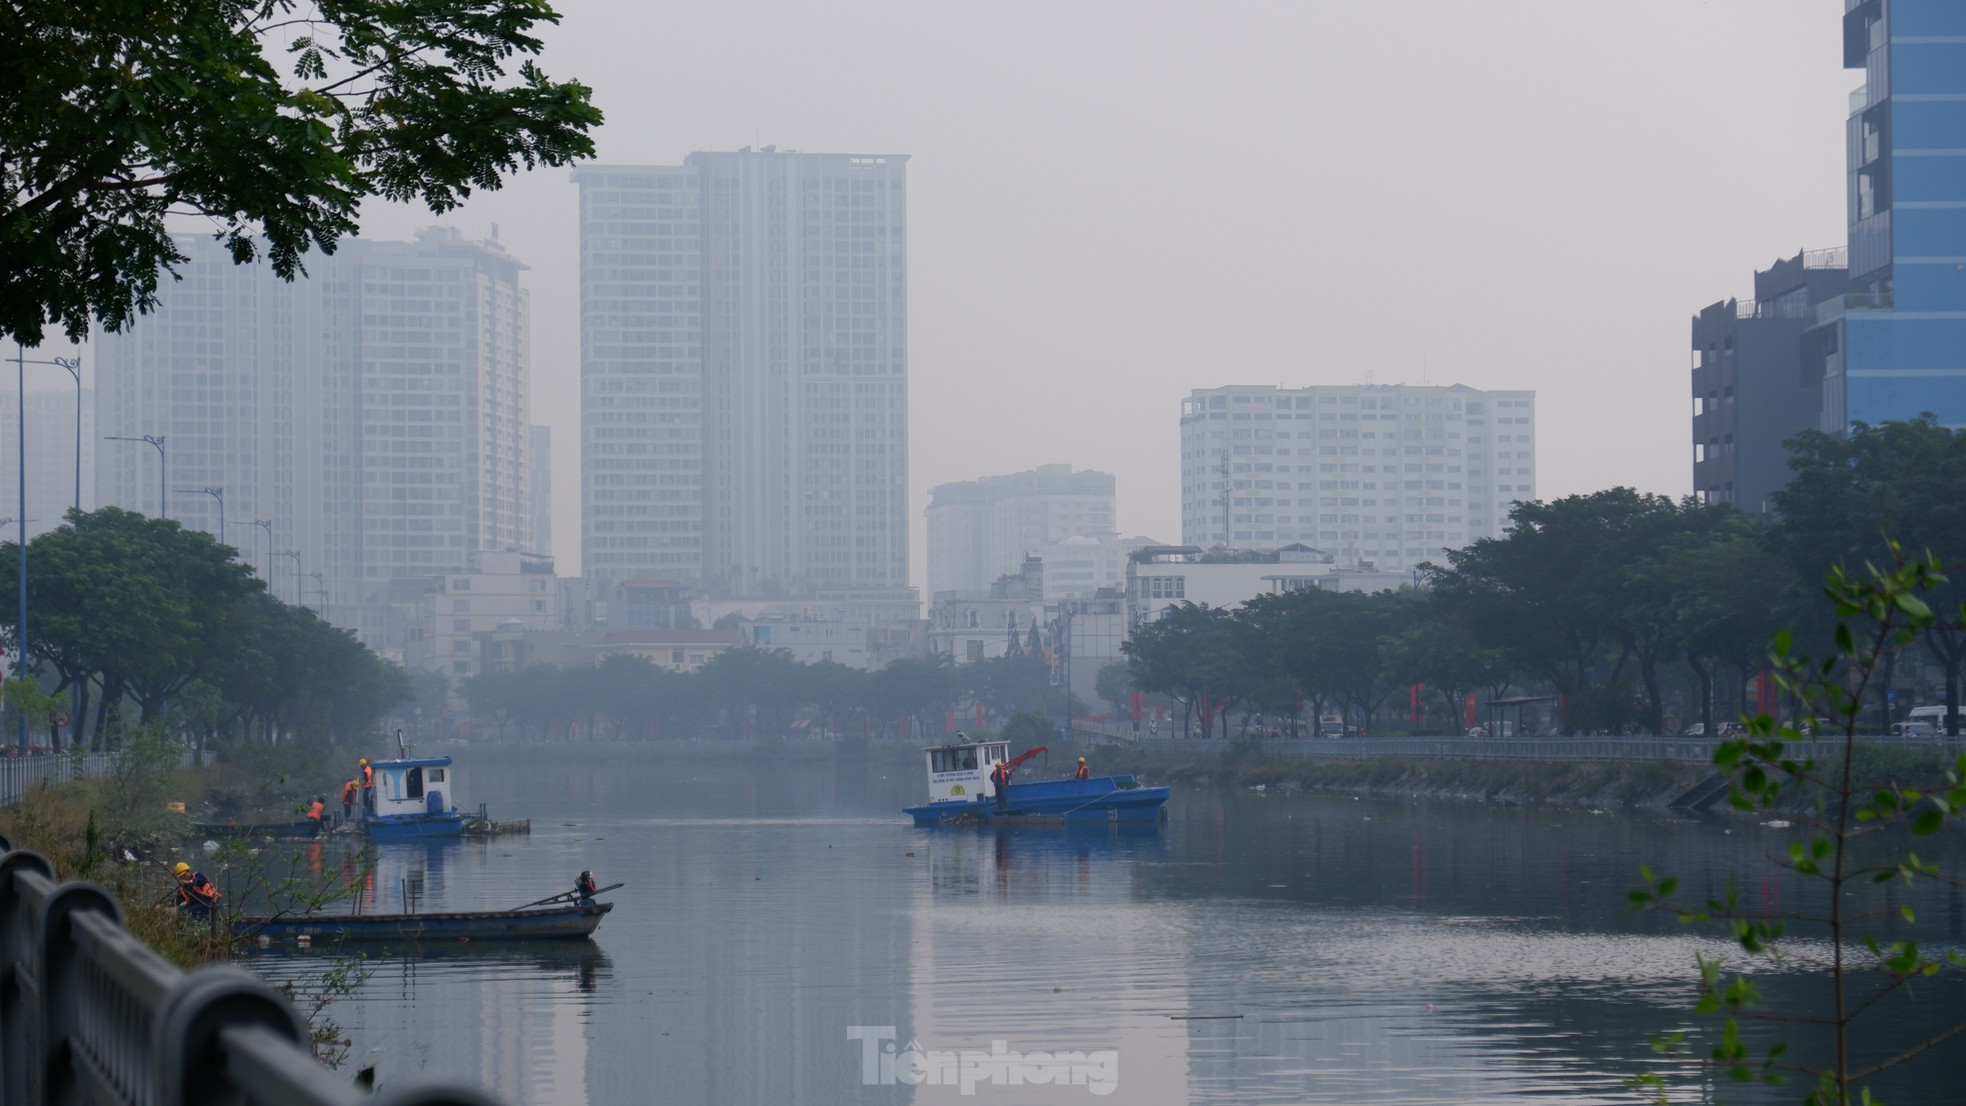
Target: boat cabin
{"x": 421, "y": 785}
{"x": 961, "y": 773}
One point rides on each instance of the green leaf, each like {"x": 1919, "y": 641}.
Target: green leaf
{"x": 1928, "y": 822}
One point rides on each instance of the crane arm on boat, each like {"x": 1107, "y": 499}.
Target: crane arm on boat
{"x": 1028, "y": 754}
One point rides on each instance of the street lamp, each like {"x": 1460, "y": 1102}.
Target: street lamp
{"x": 321, "y": 593}
{"x": 20, "y": 430}
{"x": 265, "y": 524}
{"x": 163, "y": 504}
{"x": 218, "y": 494}
{"x": 295, "y": 554}
{"x": 74, "y": 367}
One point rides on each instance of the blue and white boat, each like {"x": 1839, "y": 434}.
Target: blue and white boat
{"x": 961, "y": 790}
{"x": 413, "y": 800}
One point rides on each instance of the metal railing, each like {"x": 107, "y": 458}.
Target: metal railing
{"x": 89, "y": 1014}
{"x": 1686, "y": 750}
{"x": 17, "y": 774}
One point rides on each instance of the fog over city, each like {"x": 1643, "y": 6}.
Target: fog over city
{"x": 1114, "y": 203}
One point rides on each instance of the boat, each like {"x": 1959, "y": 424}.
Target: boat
{"x": 306, "y": 827}
{"x": 960, "y": 791}
{"x": 570, "y": 914}
{"x": 574, "y": 920}
{"x": 412, "y": 800}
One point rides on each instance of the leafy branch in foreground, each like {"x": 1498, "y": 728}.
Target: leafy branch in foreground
{"x": 1879, "y": 613}
{"x": 272, "y": 120}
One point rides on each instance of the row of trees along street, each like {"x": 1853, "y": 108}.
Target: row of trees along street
{"x": 1611, "y": 601}
{"x": 135, "y": 619}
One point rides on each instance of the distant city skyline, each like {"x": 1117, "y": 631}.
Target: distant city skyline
{"x": 374, "y": 415}
{"x": 1087, "y": 349}
{"x": 981, "y": 529}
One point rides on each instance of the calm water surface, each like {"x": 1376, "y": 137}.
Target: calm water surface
{"x": 1258, "y": 948}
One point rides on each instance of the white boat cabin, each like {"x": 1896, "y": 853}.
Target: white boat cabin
{"x": 961, "y": 773}
{"x": 418, "y": 786}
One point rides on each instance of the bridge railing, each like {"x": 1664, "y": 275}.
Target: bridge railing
{"x": 89, "y": 1014}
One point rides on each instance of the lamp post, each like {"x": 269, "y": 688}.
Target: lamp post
{"x": 217, "y": 493}
{"x": 163, "y": 504}
{"x": 320, "y": 593}
{"x": 265, "y": 524}
{"x": 295, "y": 554}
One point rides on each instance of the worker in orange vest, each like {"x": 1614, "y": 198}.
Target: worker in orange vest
{"x": 196, "y": 895}
{"x": 317, "y": 809}
{"x": 1082, "y": 773}
{"x": 348, "y": 793}
{"x": 1000, "y": 776}
{"x": 368, "y": 783}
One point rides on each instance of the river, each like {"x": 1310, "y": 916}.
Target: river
{"x": 786, "y": 936}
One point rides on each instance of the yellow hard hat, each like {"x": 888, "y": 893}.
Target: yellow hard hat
{"x": 1000, "y": 764}
{"x": 1081, "y": 760}
{"x": 181, "y": 868}
{"x": 361, "y": 762}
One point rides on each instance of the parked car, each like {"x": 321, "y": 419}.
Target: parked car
{"x": 1697, "y": 729}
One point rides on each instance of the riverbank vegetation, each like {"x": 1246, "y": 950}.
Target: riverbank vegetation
{"x": 1855, "y": 854}
{"x": 1609, "y": 608}
{"x": 128, "y": 614}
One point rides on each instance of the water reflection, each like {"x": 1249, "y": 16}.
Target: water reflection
{"x": 1257, "y": 948}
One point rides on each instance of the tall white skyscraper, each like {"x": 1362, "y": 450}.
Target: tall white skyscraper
{"x": 1387, "y": 475}
{"x": 375, "y": 415}
{"x": 541, "y": 541}
{"x": 981, "y": 529}
{"x": 744, "y": 373}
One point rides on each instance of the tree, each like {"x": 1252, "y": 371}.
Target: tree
{"x": 121, "y": 113}
{"x": 1193, "y": 653}
{"x": 1853, "y": 496}
{"x": 1878, "y": 612}
{"x": 1113, "y": 687}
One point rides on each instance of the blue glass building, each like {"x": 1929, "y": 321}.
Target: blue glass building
{"x": 1898, "y": 337}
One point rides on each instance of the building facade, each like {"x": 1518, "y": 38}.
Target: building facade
{"x": 371, "y": 420}
{"x": 1894, "y": 346}
{"x": 463, "y": 620}
{"x": 541, "y": 486}
{"x": 981, "y": 529}
{"x": 1078, "y": 566}
{"x": 1382, "y": 477}
{"x": 744, "y": 369}
{"x": 1749, "y": 393}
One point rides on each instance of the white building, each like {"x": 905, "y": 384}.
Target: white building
{"x": 744, "y": 370}
{"x": 462, "y": 617}
{"x": 1166, "y": 576}
{"x": 812, "y": 642}
{"x": 979, "y": 530}
{"x": 980, "y": 625}
{"x": 1078, "y": 566}
{"x": 1381, "y": 476}
{"x": 51, "y": 441}
{"x": 373, "y": 415}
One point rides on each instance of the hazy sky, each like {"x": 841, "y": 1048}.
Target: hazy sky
{"x": 1114, "y": 202}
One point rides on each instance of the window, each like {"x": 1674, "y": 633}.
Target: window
{"x": 1163, "y": 587}
{"x": 975, "y": 652}
{"x": 460, "y": 585}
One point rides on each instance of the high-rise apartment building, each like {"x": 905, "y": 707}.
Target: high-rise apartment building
{"x": 541, "y": 485}
{"x": 52, "y": 433}
{"x": 1898, "y": 338}
{"x": 744, "y": 373}
{"x": 981, "y": 529}
{"x": 1383, "y": 475}
{"x": 373, "y": 415}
